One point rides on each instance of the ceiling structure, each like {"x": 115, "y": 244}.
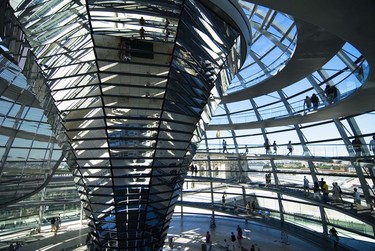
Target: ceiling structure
{"x": 125, "y": 92}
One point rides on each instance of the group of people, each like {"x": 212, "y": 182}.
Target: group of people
{"x": 194, "y": 169}
{"x": 15, "y": 247}
{"x": 250, "y": 207}
{"x": 311, "y": 101}
{"x": 55, "y": 224}
{"x": 233, "y": 238}
{"x": 356, "y": 144}
{"x": 267, "y": 146}
{"x": 142, "y": 23}
{"x": 322, "y": 186}
{"x": 330, "y": 92}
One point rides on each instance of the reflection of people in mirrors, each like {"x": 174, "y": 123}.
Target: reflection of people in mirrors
{"x": 167, "y": 33}
{"x": 166, "y": 23}
{"x": 142, "y": 33}
{"x": 142, "y": 21}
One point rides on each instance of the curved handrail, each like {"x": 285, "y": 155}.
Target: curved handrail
{"x": 334, "y": 151}
{"x": 298, "y": 193}
{"x": 297, "y": 106}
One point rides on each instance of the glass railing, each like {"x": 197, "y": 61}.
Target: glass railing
{"x": 313, "y": 150}
{"x": 346, "y": 87}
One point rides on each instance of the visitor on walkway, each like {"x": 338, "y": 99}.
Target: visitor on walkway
{"x": 334, "y": 236}
{"x": 274, "y": 145}
{"x": 336, "y": 193}
{"x": 329, "y": 93}
{"x": 223, "y": 199}
{"x": 212, "y": 222}
{"x": 224, "y": 144}
{"x": 267, "y": 146}
{"x": 357, "y": 146}
{"x": 315, "y": 101}
{"x": 306, "y": 188}
{"x": 253, "y": 205}
{"x": 290, "y": 148}
{"x": 170, "y": 242}
{"x": 226, "y": 245}
{"x": 268, "y": 179}
{"x": 239, "y": 236}
{"x": 53, "y": 226}
{"x": 208, "y": 240}
{"x": 357, "y": 197}
{"x": 58, "y": 223}
{"x": 233, "y": 239}
{"x": 335, "y": 93}
{"x": 11, "y": 247}
{"x": 248, "y": 207}
{"x": 167, "y": 33}
{"x": 316, "y": 190}
{"x": 372, "y": 145}
{"x": 307, "y": 104}
{"x": 166, "y": 24}
{"x": 192, "y": 169}
{"x": 142, "y": 33}
{"x": 321, "y": 182}
{"x": 246, "y": 149}
{"x": 325, "y": 189}
{"x": 18, "y": 246}
{"x": 235, "y": 204}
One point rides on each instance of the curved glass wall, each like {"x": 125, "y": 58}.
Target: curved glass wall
{"x": 271, "y": 180}
{"x": 29, "y": 153}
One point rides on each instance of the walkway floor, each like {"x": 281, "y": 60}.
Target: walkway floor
{"x": 188, "y": 234}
